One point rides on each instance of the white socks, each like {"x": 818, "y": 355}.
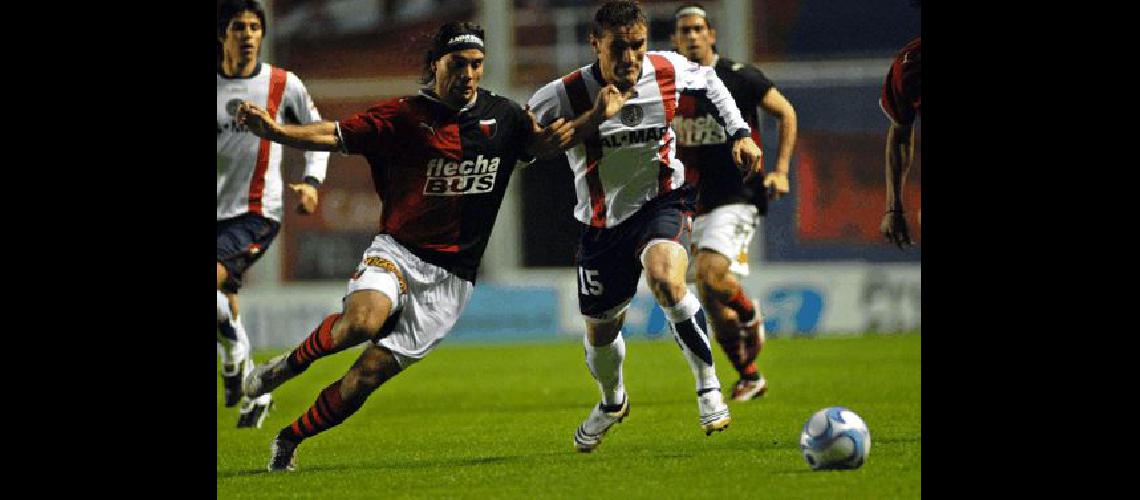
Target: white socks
{"x": 233, "y": 344}
{"x": 694, "y": 342}
{"x": 604, "y": 363}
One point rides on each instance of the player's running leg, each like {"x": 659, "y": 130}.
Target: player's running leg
{"x": 735, "y": 319}
{"x": 334, "y": 404}
{"x": 665, "y": 262}
{"x": 605, "y": 352}
{"x": 365, "y": 314}
{"x": 233, "y": 346}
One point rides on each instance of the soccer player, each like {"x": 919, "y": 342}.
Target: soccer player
{"x": 728, "y": 209}
{"x": 249, "y": 181}
{"x": 901, "y": 100}
{"x": 440, "y": 162}
{"x": 631, "y": 201}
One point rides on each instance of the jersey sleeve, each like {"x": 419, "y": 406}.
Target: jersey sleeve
{"x": 374, "y": 131}
{"x": 693, "y": 76}
{"x": 758, "y": 82}
{"x": 522, "y": 130}
{"x": 299, "y": 108}
{"x": 902, "y": 86}
{"x": 547, "y": 104}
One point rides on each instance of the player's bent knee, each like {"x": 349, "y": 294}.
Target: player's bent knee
{"x": 374, "y": 367}
{"x": 713, "y": 269}
{"x": 365, "y": 315}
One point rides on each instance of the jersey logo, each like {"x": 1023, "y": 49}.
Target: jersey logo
{"x": 488, "y": 127}
{"x": 426, "y": 126}
{"x": 451, "y": 178}
{"x": 631, "y": 115}
{"x": 232, "y": 106}
{"x": 699, "y": 131}
{"x": 737, "y": 66}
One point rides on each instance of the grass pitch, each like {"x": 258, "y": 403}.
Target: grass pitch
{"x": 496, "y": 421}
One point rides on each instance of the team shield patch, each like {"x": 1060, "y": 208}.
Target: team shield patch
{"x": 631, "y": 115}
{"x": 488, "y": 127}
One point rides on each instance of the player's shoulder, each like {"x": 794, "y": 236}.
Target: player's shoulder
{"x": 496, "y": 102}
{"x": 394, "y": 105}
{"x": 911, "y": 53}
{"x": 550, "y": 91}
{"x": 726, "y": 66}
{"x": 678, "y": 61}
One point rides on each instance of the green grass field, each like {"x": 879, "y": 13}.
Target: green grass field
{"x": 496, "y": 421}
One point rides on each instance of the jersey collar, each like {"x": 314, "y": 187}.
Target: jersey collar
{"x": 256, "y": 71}
{"x": 430, "y": 95}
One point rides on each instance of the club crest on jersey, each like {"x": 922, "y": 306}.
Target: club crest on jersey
{"x": 232, "y": 106}
{"x": 631, "y": 115}
{"x": 447, "y": 177}
{"x": 488, "y": 127}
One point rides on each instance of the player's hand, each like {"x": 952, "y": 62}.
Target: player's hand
{"x": 747, "y": 155}
{"x": 894, "y": 228}
{"x": 550, "y": 140}
{"x": 308, "y": 195}
{"x": 609, "y": 101}
{"x": 254, "y": 118}
{"x": 777, "y": 184}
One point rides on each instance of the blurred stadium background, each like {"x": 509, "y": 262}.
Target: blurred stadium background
{"x": 819, "y": 264}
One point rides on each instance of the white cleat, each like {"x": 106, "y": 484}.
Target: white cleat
{"x": 589, "y": 434}
{"x": 714, "y": 413}
{"x": 267, "y": 377}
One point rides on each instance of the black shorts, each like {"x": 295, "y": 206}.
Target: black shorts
{"x": 609, "y": 260}
{"x": 241, "y": 241}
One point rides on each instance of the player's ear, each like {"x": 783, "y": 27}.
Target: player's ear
{"x": 712, "y": 36}
{"x": 594, "y": 42}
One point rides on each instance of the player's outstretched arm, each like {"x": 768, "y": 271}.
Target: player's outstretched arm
{"x": 549, "y": 141}
{"x": 309, "y": 137}
{"x": 775, "y": 104}
{"x": 900, "y": 153}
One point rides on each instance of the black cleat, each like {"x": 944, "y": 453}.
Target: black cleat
{"x": 253, "y": 413}
{"x": 282, "y": 455}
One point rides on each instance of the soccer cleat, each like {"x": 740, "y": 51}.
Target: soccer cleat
{"x": 282, "y": 455}
{"x": 269, "y": 376}
{"x": 231, "y": 380}
{"x": 714, "y": 413}
{"x": 589, "y": 434}
{"x": 745, "y": 389}
{"x": 253, "y": 413}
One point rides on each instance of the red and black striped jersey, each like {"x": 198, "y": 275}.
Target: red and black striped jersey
{"x": 902, "y": 89}
{"x": 704, "y": 146}
{"x": 440, "y": 173}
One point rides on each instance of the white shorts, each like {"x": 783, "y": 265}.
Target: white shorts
{"x": 726, "y": 230}
{"x": 429, "y": 299}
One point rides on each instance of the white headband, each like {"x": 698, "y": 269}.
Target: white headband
{"x": 467, "y": 38}
{"x": 691, "y": 10}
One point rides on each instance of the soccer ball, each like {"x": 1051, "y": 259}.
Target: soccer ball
{"x": 835, "y": 438}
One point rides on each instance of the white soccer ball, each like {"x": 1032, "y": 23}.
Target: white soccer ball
{"x": 835, "y": 438}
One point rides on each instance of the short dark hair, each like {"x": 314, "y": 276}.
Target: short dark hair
{"x": 617, "y": 14}
{"x": 708, "y": 22}
{"x": 439, "y": 44}
{"x": 230, "y": 8}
